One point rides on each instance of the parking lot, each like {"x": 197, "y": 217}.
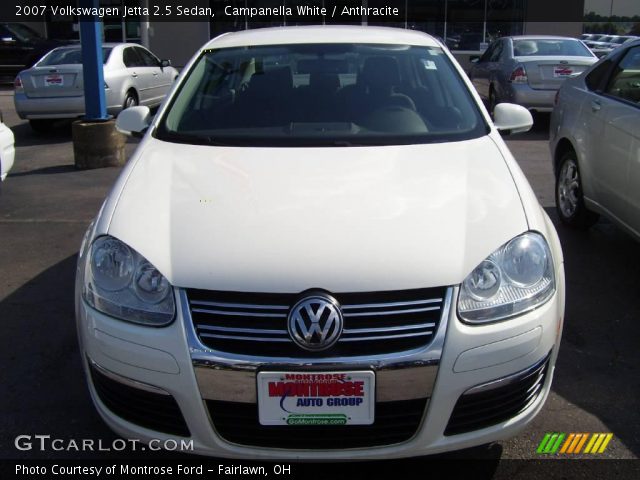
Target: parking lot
{"x": 46, "y": 206}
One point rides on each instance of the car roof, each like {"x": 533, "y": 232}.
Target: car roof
{"x": 104, "y": 44}
{"x": 322, "y": 34}
{"x": 542, "y": 37}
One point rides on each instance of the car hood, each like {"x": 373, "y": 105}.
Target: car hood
{"x": 342, "y": 219}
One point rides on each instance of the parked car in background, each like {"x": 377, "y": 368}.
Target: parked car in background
{"x": 585, "y": 37}
{"x": 595, "y": 140}
{"x": 21, "y": 47}
{"x": 604, "y": 46}
{"x": 7, "y": 150}
{"x": 528, "y": 70}
{"x": 321, "y": 249}
{"x": 53, "y": 88}
{"x": 599, "y": 40}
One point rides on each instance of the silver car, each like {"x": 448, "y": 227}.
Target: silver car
{"x": 595, "y": 140}
{"x": 528, "y": 70}
{"x": 53, "y": 87}
{"x": 614, "y": 41}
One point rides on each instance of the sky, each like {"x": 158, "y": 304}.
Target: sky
{"x": 620, "y": 7}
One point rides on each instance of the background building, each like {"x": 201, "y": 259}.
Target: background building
{"x": 466, "y": 26}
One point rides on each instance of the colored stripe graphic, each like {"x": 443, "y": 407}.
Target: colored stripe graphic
{"x": 592, "y": 440}
{"x": 568, "y": 442}
{"x": 543, "y": 443}
{"x": 555, "y": 442}
{"x": 598, "y": 443}
{"x": 550, "y": 443}
{"x": 581, "y": 443}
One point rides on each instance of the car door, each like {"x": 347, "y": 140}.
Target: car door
{"x": 497, "y": 70}
{"x": 13, "y": 52}
{"x": 139, "y": 73}
{"x": 611, "y": 118}
{"x": 621, "y": 142}
{"x": 481, "y": 70}
{"x": 159, "y": 79}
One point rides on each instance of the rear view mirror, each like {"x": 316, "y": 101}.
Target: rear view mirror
{"x": 511, "y": 118}
{"x": 134, "y": 121}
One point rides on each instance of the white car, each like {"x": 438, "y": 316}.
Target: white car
{"x": 7, "y": 150}
{"x": 54, "y": 87}
{"x": 321, "y": 249}
{"x": 595, "y": 140}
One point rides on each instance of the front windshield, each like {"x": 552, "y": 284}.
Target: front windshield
{"x": 22, "y": 32}
{"x": 323, "y": 95}
{"x": 69, "y": 56}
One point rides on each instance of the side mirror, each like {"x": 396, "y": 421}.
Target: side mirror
{"x": 134, "y": 121}
{"x": 474, "y": 58}
{"x": 165, "y": 63}
{"x": 510, "y": 118}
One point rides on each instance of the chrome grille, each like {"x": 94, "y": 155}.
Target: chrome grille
{"x": 374, "y": 323}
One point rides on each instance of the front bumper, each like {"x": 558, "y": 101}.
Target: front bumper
{"x": 459, "y": 358}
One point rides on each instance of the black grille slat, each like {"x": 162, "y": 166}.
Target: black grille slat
{"x": 466, "y": 411}
{"x": 395, "y": 422}
{"x": 471, "y": 416}
{"x": 389, "y": 316}
{"x": 150, "y": 410}
{"x": 474, "y": 411}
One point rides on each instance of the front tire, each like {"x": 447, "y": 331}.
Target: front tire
{"x": 493, "y": 101}
{"x": 130, "y": 100}
{"x": 569, "y": 198}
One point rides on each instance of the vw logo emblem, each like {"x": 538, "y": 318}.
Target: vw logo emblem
{"x": 315, "y": 322}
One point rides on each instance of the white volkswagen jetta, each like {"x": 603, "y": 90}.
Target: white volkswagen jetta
{"x": 321, "y": 249}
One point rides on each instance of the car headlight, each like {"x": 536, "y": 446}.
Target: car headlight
{"x": 516, "y": 278}
{"x": 122, "y": 283}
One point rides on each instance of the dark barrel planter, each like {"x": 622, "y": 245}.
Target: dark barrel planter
{"x": 97, "y": 144}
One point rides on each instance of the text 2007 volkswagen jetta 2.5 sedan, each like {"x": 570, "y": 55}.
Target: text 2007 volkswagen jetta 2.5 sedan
{"x": 321, "y": 249}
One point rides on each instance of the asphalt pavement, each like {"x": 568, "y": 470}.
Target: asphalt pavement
{"x": 46, "y": 205}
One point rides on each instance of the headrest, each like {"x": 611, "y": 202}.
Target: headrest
{"x": 275, "y": 80}
{"x": 324, "y": 81}
{"x": 380, "y": 72}
{"x": 525, "y": 47}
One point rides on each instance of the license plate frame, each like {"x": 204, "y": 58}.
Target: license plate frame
{"x": 54, "y": 80}
{"x": 348, "y": 398}
{"x": 562, "y": 71}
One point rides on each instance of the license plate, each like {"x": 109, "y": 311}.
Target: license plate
{"x": 318, "y": 398}
{"x": 560, "y": 71}
{"x": 53, "y": 81}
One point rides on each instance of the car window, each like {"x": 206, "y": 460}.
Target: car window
{"x": 22, "y": 32}
{"x": 625, "y": 78}
{"x": 147, "y": 57}
{"x": 69, "y": 56}
{"x": 322, "y": 95}
{"x": 596, "y": 78}
{"x": 497, "y": 52}
{"x": 486, "y": 56}
{"x": 550, "y": 47}
{"x": 131, "y": 58}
